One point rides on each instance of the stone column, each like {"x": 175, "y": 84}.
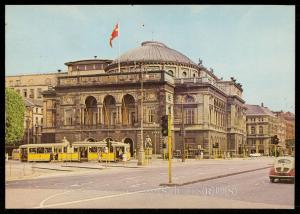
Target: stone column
{"x": 100, "y": 114}
{"x": 119, "y": 113}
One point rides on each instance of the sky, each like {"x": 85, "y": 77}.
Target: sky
{"x": 255, "y": 44}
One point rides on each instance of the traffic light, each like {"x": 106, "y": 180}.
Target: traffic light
{"x": 164, "y": 125}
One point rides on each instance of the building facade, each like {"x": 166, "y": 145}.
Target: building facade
{"x": 33, "y": 121}
{"x": 32, "y": 85}
{"x": 101, "y": 99}
{"x": 262, "y": 124}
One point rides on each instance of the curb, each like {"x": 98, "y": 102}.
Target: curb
{"x": 52, "y": 169}
{"x": 85, "y": 167}
{"x": 211, "y": 178}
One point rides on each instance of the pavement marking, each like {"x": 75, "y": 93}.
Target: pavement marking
{"x": 97, "y": 198}
{"x": 51, "y": 196}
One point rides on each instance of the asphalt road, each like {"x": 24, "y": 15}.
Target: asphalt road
{"x": 139, "y": 188}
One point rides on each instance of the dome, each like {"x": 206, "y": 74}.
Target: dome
{"x": 153, "y": 51}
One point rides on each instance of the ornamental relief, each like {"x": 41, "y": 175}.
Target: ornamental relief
{"x": 67, "y": 100}
{"x": 150, "y": 96}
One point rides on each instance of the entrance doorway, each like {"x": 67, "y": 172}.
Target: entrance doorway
{"x": 83, "y": 151}
{"x": 130, "y": 142}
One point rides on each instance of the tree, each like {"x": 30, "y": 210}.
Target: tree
{"x": 14, "y": 116}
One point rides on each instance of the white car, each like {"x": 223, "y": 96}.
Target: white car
{"x": 255, "y": 155}
{"x": 283, "y": 168}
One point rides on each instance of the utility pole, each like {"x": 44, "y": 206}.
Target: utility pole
{"x": 182, "y": 129}
{"x": 141, "y": 152}
{"x": 170, "y": 148}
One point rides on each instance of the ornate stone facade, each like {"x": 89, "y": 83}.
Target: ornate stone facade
{"x": 107, "y": 103}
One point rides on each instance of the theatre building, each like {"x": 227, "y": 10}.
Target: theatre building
{"x": 99, "y": 99}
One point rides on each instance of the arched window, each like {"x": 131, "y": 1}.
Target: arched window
{"x": 184, "y": 74}
{"x": 171, "y": 72}
{"x": 189, "y": 99}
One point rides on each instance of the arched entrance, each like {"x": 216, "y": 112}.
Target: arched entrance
{"x": 130, "y": 142}
{"x": 91, "y": 112}
{"x": 128, "y": 110}
{"x": 109, "y": 110}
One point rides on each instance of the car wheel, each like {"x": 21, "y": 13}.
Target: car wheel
{"x": 272, "y": 180}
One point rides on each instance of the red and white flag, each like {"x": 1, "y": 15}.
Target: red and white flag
{"x": 114, "y": 34}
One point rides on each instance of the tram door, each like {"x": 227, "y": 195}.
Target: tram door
{"x": 24, "y": 154}
{"x": 83, "y": 151}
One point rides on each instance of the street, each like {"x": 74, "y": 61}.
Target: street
{"x": 120, "y": 187}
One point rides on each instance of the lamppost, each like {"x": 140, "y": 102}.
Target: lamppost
{"x": 141, "y": 152}
{"x": 183, "y": 132}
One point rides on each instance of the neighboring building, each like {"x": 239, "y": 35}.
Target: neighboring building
{"x": 32, "y": 85}
{"x": 96, "y": 100}
{"x": 262, "y": 124}
{"x": 33, "y": 121}
{"x": 287, "y": 121}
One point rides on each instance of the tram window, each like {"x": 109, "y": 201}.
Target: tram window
{"x": 32, "y": 150}
{"x": 59, "y": 150}
{"x": 48, "y": 150}
{"x": 75, "y": 149}
{"x": 93, "y": 149}
{"x": 65, "y": 149}
{"x": 40, "y": 150}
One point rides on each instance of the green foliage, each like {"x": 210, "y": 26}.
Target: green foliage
{"x": 14, "y": 116}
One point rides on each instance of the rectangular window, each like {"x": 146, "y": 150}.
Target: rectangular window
{"x": 18, "y": 82}
{"x": 32, "y": 150}
{"x": 90, "y": 67}
{"x": 31, "y": 95}
{"x": 151, "y": 115}
{"x": 68, "y": 117}
{"x": 39, "y": 93}
{"x": 252, "y": 130}
{"x": 189, "y": 116}
{"x": 24, "y": 92}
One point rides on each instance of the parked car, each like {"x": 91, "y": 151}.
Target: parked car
{"x": 283, "y": 168}
{"x": 255, "y": 155}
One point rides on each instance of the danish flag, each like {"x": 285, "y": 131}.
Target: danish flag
{"x": 114, "y": 34}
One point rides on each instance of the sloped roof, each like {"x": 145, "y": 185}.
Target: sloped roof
{"x": 258, "y": 110}
{"x": 32, "y": 102}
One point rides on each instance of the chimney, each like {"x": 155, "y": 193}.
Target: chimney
{"x": 262, "y": 104}
{"x": 95, "y": 57}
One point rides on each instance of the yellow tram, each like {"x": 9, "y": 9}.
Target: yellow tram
{"x": 15, "y": 154}
{"x": 76, "y": 151}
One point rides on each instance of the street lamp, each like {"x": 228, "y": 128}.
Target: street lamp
{"x": 141, "y": 152}
{"x": 154, "y": 138}
{"x": 182, "y": 129}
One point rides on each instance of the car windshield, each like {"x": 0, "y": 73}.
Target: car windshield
{"x": 286, "y": 161}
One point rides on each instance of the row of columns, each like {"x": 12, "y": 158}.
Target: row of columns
{"x": 101, "y": 118}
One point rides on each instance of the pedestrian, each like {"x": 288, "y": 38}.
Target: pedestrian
{"x": 120, "y": 155}
{"x": 99, "y": 156}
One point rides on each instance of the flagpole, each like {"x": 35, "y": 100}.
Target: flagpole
{"x": 119, "y": 45}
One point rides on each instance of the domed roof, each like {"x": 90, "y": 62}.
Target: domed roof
{"x": 153, "y": 51}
